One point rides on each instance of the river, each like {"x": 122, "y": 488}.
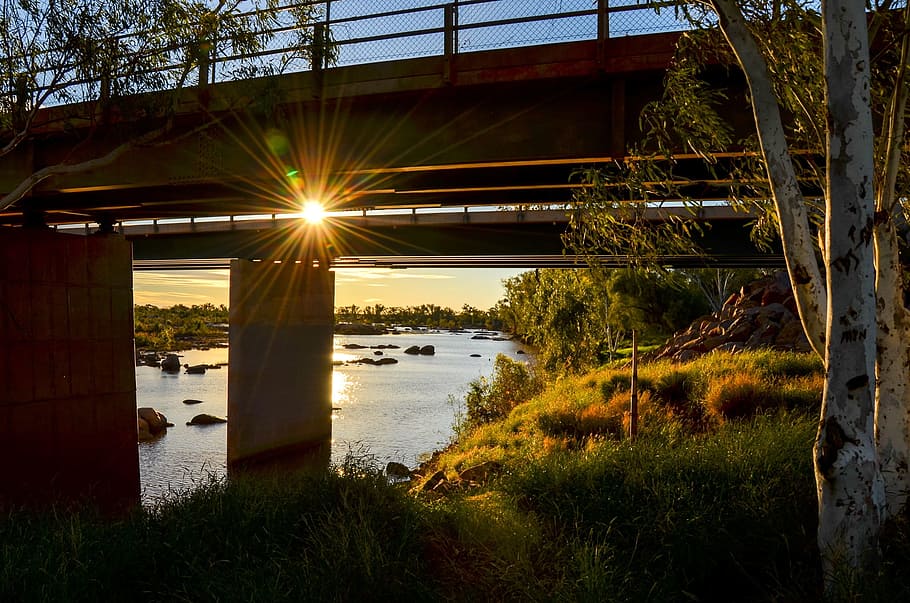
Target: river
{"x": 398, "y": 412}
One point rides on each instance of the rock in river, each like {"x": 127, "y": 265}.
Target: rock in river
{"x": 171, "y": 363}
{"x": 205, "y": 419}
{"x": 191, "y": 401}
{"x": 150, "y": 423}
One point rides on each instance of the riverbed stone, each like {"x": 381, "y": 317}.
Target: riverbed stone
{"x": 397, "y": 470}
{"x": 156, "y": 421}
{"x": 206, "y": 419}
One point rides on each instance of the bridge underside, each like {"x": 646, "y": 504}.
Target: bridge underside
{"x": 500, "y": 239}
{"x": 501, "y": 127}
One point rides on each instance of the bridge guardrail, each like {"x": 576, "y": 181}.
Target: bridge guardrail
{"x": 302, "y": 36}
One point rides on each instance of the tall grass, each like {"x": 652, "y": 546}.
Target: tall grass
{"x": 578, "y": 513}
{"x": 319, "y": 536}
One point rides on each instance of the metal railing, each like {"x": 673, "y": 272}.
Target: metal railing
{"x": 352, "y": 32}
{"x": 315, "y": 35}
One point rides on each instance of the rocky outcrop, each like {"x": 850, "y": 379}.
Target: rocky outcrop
{"x": 427, "y": 350}
{"x": 761, "y": 315}
{"x": 375, "y": 361}
{"x": 206, "y": 419}
{"x": 150, "y": 423}
{"x": 397, "y": 470}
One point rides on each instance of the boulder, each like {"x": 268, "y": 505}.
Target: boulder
{"x": 413, "y": 350}
{"x": 353, "y": 346}
{"x": 475, "y": 356}
{"x": 156, "y": 421}
{"x": 148, "y": 359}
{"x": 171, "y": 363}
{"x": 397, "y": 470}
{"x": 191, "y": 401}
{"x": 196, "y": 369}
{"x": 434, "y": 481}
{"x": 145, "y": 434}
{"x": 427, "y": 350}
{"x": 206, "y": 419}
{"x": 386, "y": 360}
{"x": 378, "y": 353}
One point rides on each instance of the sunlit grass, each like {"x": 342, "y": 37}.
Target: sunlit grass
{"x": 578, "y": 513}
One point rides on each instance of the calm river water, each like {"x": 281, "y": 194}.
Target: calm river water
{"x": 396, "y": 412}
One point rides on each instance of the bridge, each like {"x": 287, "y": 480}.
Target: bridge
{"x": 504, "y": 127}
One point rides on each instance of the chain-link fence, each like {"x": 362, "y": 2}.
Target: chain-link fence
{"x": 365, "y": 32}
{"x": 351, "y": 32}
{"x": 252, "y": 41}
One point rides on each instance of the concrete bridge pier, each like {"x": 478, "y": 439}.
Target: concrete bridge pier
{"x": 67, "y": 371}
{"x": 280, "y": 379}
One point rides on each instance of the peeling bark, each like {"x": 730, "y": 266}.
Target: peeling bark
{"x": 795, "y": 231}
{"x": 892, "y": 395}
{"x": 851, "y": 492}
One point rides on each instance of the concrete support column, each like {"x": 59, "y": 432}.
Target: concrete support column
{"x": 280, "y": 379}
{"x": 67, "y": 370}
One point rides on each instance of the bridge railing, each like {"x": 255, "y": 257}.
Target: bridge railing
{"x": 352, "y": 32}
{"x": 311, "y": 34}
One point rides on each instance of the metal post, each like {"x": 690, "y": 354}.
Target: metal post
{"x": 633, "y": 406}
{"x": 450, "y": 44}
{"x": 603, "y": 29}
{"x": 317, "y": 59}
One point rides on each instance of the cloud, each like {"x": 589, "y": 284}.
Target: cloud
{"x": 196, "y": 278}
{"x": 357, "y": 275}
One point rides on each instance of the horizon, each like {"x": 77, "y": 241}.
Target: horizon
{"x": 452, "y": 287}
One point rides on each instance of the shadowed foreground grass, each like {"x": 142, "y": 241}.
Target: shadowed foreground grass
{"x": 716, "y": 510}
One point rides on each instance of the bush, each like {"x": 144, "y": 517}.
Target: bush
{"x": 679, "y": 393}
{"x": 738, "y": 396}
{"x": 489, "y": 400}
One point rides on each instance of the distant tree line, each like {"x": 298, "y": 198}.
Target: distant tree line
{"x": 426, "y": 315}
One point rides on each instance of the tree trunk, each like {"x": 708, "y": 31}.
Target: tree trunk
{"x": 795, "y": 232}
{"x": 892, "y": 394}
{"x": 849, "y": 482}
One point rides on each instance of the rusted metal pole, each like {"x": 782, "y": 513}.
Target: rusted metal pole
{"x": 450, "y": 44}
{"x": 603, "y": 29}
{"x": 317, "y": 58}
{"x": 633, "y": 405}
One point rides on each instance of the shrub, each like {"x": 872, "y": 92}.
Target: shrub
{"x": 489, "y": 400}
{"x": 737, "y": 396}
{"x": 678, "y": 392}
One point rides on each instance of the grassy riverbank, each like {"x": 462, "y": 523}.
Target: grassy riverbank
{"x": 707, "y": 504}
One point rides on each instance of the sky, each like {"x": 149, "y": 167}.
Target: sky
{"x": 478, "y": 287}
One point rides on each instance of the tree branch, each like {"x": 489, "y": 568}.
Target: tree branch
{"x": 795, "y": 232}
